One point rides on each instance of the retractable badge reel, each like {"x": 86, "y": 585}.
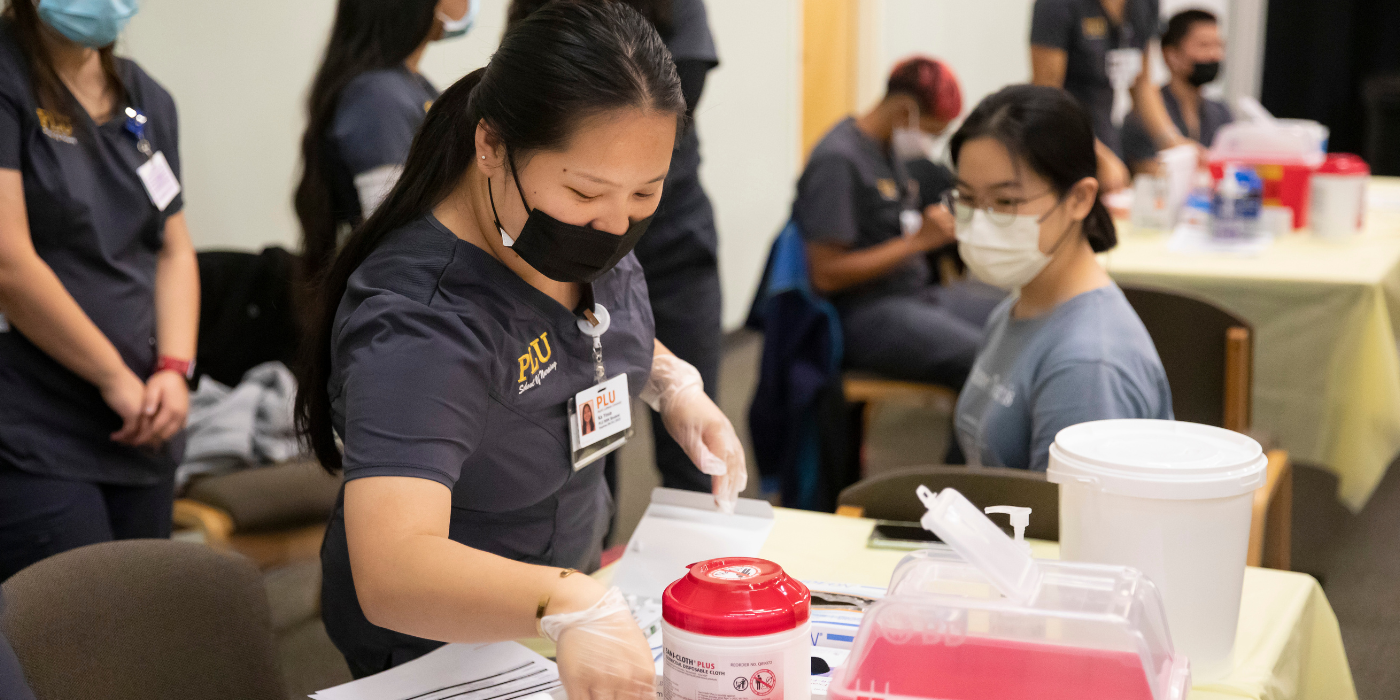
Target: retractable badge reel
{"x": 600, "y": 417}
{"x": 160, "y": 181}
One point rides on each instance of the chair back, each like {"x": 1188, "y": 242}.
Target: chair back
{"x": 891, "y": 495}
{"x": 143, "y": 620}
{"x": 1207, "y": 353}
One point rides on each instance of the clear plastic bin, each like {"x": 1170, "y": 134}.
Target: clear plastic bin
{"x": 984, "y": 620}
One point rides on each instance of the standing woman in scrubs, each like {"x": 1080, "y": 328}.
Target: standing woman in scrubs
{"x": 99, "y": 287}
{"x": 1097, "y": 50}
{"x": 366, "y": 102}
{"x": 680, "y": 253}
{"x": 492, "y": 289}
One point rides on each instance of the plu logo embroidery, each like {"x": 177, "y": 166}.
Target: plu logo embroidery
{"x": 888, "y": 189}
{"x": 533, "y": 363}
{"x": 55, "y": 126}
{"x": 1094, "y": 27}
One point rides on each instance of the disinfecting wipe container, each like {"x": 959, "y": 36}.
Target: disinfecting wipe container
{"x": 736, "y": 629}
{"x": 1173, "y": 500}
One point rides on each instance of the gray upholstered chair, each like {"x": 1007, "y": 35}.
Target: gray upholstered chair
{"x": 143, "y": 620}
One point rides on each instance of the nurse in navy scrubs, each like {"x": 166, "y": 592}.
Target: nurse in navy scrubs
{"x": 99, "y": 288}
{"x": 492, "y": 293}
{"x": 364, "y": 106}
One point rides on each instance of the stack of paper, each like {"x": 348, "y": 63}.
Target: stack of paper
{"x": 501, "y": 671}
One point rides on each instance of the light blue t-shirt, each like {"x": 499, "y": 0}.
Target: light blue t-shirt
{"x": 1088, "y": 359}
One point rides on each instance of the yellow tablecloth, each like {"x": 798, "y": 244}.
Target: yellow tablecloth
{"x": 1325, "y": 317}
{"x": 1287, "y": 646}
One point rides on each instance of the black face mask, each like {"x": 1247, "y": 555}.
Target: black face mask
{"x": 565, "y": 252}
{"x": 1203, "y": 73}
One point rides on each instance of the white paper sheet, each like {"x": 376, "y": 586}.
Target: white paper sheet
{"x": 501, "y": 671}
{"x": 681, "y": 528}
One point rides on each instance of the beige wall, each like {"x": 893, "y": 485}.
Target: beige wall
{"x": 239, "y": 73}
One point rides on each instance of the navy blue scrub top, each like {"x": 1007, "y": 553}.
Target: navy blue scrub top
{"x": 446, "y": 366}
{"x": 93, "y": 223}
{"x": 376, "y": 117}
{"x": 1083, "y": 31}
{"x": 1138, "y": 144}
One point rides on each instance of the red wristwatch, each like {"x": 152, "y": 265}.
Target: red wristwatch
{"x": 184, "y": 368}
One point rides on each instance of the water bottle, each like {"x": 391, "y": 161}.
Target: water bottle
{"x": 1239, "y": 198}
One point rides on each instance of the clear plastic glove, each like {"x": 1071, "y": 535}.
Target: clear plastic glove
{"x": 677, "y": 392}
{"x": 601, "y": 651}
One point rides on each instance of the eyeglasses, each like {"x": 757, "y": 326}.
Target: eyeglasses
{"x": 1001, "y": 211}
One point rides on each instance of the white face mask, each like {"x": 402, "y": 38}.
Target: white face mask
{"x": 1002, "y": 256}
{"x": 909, "y": 143}
{"x": 453, "y": 28}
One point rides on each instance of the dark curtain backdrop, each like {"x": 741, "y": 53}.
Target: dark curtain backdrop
{"x": 1318, "y": 54}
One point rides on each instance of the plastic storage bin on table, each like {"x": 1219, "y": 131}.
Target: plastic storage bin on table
{"x": 987, "y": 622}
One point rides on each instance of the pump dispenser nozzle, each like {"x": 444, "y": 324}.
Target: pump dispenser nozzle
{"x": 1020, "y": 518}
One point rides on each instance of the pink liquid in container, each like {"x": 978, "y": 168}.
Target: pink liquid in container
{"x": 982, "y": 620}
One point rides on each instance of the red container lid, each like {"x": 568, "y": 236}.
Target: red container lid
{"x": 736, "y": 597}
{"x": 1344, "y": 164}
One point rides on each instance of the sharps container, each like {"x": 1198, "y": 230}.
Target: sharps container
{"x": 736, "y": 628}
{"x": 982, "y": 620}
{"x": 1173, "y": 500}
{"x": 1338, "y": 207}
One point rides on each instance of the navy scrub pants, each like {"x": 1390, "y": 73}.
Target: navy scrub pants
{"x": 686, "y": 305}
{"x": 931, "y": 336}
{"x": 42, "y": 516}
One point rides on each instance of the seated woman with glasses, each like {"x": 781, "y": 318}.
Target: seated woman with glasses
{"x": 1066, "y": 347}
{"x": 868, "y": 234}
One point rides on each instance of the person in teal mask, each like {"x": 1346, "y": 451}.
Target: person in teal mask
{"x": 366, "y": 103}
{"x": 99, "y": 287}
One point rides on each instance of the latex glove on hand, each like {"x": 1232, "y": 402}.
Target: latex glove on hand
{"x": 677, "y": 392}
{"x": 601, "y": 651}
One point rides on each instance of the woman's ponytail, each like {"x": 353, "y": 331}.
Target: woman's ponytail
{"x": 1099, "y": 229}
{"x": 429, "y": 174}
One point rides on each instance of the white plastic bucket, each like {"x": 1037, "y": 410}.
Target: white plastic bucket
{"x": 1173, "y": 500}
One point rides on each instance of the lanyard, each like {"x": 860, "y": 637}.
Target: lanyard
{"x": 136, "y": 125}
{"x": 594, "y": 322}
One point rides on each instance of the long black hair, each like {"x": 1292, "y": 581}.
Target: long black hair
{"x": 367, "y": 35}
{"x": 48, "y": 87}
{"x": 1051, "y": 132}
{"x": 565, "y": 63}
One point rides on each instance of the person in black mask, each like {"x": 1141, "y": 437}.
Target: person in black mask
{"x": 463, "y": 329}
{"x": 1192, "y": 49}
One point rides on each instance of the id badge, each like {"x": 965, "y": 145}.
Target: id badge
{"x": 600, "y": 420}
{"x": 159, "y": 180}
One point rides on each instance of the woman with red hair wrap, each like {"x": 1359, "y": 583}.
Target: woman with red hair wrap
{"x": 869, "y": 220}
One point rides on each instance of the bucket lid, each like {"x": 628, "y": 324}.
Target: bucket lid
{"x": 1157, "y": 459}
{"x": 1344, "y": 164}
{"x": 736, "y": 597}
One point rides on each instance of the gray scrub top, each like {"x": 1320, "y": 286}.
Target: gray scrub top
{"x": 1138, "y": 144}
{"x": 849, "y": 194}
{"x": 376, "y": 117}
{"x": 1088, "y": 359}
{"x": 447, "y": 366}
{"x": 93, "y": 223}
{"x": 1082, "y": 30}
